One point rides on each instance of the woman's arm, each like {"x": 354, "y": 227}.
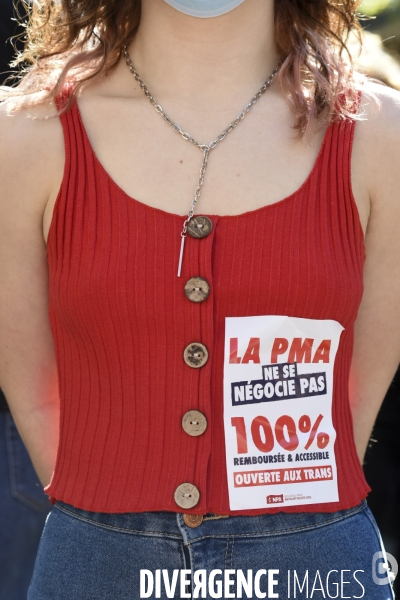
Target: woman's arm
{"x": 31, "y": 164}
{"x": 376, "y": 355}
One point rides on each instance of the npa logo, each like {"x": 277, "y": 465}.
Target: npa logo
{"x": 274, "y": 498}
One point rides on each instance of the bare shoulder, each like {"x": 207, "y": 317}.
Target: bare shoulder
{"x": 380, "y": 110}
{"x": 31, "y": 154}
{"x": 379, "y": 130}
{"x": 376, "y": 156}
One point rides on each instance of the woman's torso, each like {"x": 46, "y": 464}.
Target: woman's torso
{"x": 121, "y": 320}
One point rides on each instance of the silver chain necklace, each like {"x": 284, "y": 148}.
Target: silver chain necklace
{"x": 205, "y": 148}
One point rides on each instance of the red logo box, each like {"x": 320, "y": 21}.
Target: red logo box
{"x": 274, "y": 498}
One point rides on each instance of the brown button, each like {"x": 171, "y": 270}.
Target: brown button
{"x": 199, "y": 227}
{"x": 186, "y": 495}
{"x": 195, "y": 355}
{"x": 197, "y": 289}
{"x": 193, "y": 520}
{"x": 194, "y": 422}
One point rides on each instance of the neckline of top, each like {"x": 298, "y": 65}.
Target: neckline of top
{"x": 260, "y": 209}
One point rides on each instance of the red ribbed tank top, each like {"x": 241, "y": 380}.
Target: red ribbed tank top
{"x": 121, "y": 321}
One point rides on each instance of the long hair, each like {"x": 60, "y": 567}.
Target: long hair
{"x": 79, "y": 40}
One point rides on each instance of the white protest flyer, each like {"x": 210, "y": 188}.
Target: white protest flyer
{"x": 279, "y": 435}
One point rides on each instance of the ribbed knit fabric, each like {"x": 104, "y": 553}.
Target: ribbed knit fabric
{"x": 121, "y": 321}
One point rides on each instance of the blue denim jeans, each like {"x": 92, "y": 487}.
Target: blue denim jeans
{"x": 23, "y": 510}
{"x": 91, "y": 555}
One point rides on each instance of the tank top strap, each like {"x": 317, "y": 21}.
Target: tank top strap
{"x": 74, "y": 138}
{"x": 77, "y": 177}
{"x": 336, "y": 170}
{"x": 345, "y": 137}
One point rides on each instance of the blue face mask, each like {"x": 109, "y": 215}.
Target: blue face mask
{"x": 204, "y": 8}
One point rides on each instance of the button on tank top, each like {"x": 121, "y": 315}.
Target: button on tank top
{"x": 140, "y": 352}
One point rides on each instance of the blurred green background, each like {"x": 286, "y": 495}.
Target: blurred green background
{"x": 385, "y": 21}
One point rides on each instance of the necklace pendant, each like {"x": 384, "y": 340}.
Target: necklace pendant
{"x": 181, "y": 255}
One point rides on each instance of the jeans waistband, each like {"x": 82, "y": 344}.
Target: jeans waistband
{"x": 171, "y": 524}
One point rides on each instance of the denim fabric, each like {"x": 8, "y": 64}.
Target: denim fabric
{"x": 87, "y": 555}
{"x": 23, "y": 510}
